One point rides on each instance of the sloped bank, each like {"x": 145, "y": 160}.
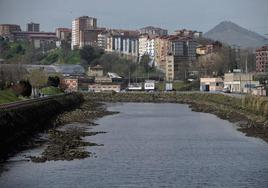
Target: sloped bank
{"x": 250, "y": 112}
{"x": 18, "y": 125}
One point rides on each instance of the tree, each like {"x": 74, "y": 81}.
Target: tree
{"x": 89, "y": 53}
{"x": 145, "y": 60}
{"x": 19, "y": 49}
{"x": 23, "y": 88}
{"x": 4, "y": 47}
{"x": 27, "y": 88}
{"x": 53, "y": 81}
{"x": 11, "y": 73}
{"x": 37, "y": 79}
{"x": 212, "y": 64}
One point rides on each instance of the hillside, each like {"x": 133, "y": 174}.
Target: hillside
{"x": 233, "y": 34}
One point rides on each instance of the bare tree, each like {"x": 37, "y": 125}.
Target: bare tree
{"x": 38, "y": 79}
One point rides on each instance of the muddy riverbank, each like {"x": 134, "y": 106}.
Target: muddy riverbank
{"x": 249, "y": 113}
{"x": 64, "y": 140}
{"x": 20, "y": 124}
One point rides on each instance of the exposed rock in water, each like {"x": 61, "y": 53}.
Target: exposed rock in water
{"x": 66, "y": 145}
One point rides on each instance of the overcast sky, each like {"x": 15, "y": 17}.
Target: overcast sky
{"x": 199, "y": 15}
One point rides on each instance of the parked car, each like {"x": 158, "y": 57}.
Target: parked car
{"x": 226, "y": 90}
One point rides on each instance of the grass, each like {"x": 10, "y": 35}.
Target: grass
{"x": 179, "y": 86}
{"x": 7, "y": 96}
{"x": 51, "y": 90}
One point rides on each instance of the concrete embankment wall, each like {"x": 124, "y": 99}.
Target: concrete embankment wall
{"x": 19, "y": 124}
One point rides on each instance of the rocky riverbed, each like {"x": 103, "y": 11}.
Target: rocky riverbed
{"x": 66, "y": 143}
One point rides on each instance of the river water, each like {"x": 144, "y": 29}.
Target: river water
{"x": 154, "y": 145}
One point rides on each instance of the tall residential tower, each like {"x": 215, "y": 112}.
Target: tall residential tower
{"x": 33, "y": 27}
{"x": 80, "y": 27}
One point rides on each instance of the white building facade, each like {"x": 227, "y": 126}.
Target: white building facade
{"x": 123, "y": 44}
{"x": 146, "y": 46}
{"x": 102, "y": 40}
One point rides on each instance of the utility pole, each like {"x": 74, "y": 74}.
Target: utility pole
{"x": 246, "y": 68}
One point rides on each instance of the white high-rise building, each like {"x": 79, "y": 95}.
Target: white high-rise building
{"x": 102, "y": 40}
{"x": 143, "y": 43}
{"x": 147, "y": 46}
{"x": 151, "y": 48}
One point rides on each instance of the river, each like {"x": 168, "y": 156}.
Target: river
{"x": 153, "y": 145}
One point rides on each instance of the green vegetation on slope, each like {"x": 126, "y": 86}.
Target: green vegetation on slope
{"x": 180, "y": 86}
{"x": 61, "y": 56}
{"x": 7, "y": 96}
{"x": 51, "y": 90}
{"x": 12, "y": 50}
{"x": 25, "y": 53}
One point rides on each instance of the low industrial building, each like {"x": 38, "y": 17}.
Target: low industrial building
{"x": 96, "y": 71}
{"x": 259, "y": 91}
{"x": 70, "y": 84}
{"x": 104, "y": 87}
{"x": 103, "y": 79}
{"x": 211, "y": 84}
{"x": 238, "y": 82}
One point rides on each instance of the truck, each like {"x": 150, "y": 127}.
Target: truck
{"x": 134, "y": 87}
{"x": 149, "y": 85}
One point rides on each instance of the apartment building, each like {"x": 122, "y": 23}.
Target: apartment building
{"x": 209, "y": 48}
{"x": 6, "y": 30}
{"x": 143, "y": 44}
{"x": 154, "y": 31}
{"x": 262, "y": 59}
{"x": 147, "y": 46}
{"x": 184, "y": 47}
{"x": 125, "y": 43}
{"x": 88, "y": 38}
{"x": 151, "y": 48}
{"x": 44, "y": 40}
{"x": 188, "y": 33}
{"x": 169, "y": 67}
{"x": 33, "y": 27}
{"x": 183, "y": 50}
{"x": 102, "y": 40}
{"x": 64, "y": 34}
{"x": 162, "y": 49}
{"x": 84, "y": 32}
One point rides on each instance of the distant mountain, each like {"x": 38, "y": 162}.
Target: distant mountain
{"x": 232, "y": 34}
